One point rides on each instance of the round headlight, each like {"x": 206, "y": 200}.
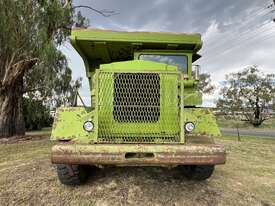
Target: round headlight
{"x": 88, "y": 126}
{"x": 189, "y": 126}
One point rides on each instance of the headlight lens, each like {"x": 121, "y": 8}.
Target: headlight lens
{"x": 88, "y": 126}
{"x": 189, "y": 126}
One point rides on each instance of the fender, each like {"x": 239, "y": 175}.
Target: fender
{"x": 68, "y": 124}
{"x": 204, "y": 120}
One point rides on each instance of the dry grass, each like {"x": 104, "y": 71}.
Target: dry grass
{"x": 28, "y": 178}
{"x": 232, "y": 123}
{"x": 43, "y": 132}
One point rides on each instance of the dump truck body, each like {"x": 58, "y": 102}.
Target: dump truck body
{"x": 145, "y": 107}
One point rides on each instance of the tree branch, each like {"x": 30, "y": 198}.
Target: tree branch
{"x": 16, "y": 70}
{"x": 104, "y": 12}
{"x": 66, "y": 3}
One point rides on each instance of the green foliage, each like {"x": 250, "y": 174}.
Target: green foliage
{"x": 248, "y": 94}
{"x": 70, "y": 96}
{"x": 31, "y": 33}
{"x": 34, "y": 28}
{"x": 36, "y": 115}
{"x": 80, "y": 21}
{"x": 205, "y": 86}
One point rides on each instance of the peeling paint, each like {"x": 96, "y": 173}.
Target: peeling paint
{"x": 166, "y": 155}
{"x": 68, "y": 125}
{"x": 204, "y": 119}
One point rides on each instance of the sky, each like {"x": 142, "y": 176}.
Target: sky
{"x": 235, "y": 33}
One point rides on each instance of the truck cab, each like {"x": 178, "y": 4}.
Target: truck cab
{"x": 145, "y": 107}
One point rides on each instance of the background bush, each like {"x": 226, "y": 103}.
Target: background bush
{"x": 36, "y": 115}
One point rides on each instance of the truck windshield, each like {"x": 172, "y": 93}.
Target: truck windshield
{"x": 177, "y": 60}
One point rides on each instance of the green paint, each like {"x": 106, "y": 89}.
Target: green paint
{"x": 102, "y": 47}
{"x": 68, "y": 125}
{"x": 137, "y": 37}
{"x": 204, "y": 119}
{"x": 107, "y": 54}
{"x": 137, "y": 66}
{"x": 192, "y": 97}
{"x": 168, "y": 123}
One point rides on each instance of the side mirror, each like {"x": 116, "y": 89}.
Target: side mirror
{"x": 196, "y": 71}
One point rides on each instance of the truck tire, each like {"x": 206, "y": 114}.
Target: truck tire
{"x": 72, "y": 174}
{"x": 198, "y": 172}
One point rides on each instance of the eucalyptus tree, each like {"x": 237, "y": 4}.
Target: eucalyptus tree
{"x": 205, "y": 85}
{"x": 248, "y": 94}
{"x": 30, "y": 62}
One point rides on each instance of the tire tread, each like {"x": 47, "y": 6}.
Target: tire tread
{"x": 198, "y": 172}
{"x": 72, "y": 174}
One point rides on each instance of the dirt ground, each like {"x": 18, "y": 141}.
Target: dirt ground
{"x": 28, "y": 178}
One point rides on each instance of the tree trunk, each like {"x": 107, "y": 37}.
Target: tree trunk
{"x": 257, "y": 120}
{"x": 11, "y": 114}
{"x": 257, "y": 111}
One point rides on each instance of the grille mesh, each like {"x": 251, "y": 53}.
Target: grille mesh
{"x": 138, "y": 107}
{"x": 136, "y": 97}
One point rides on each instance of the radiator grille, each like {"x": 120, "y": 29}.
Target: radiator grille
{"x": 136, "y": 97}
{"x": 138, "y": 107}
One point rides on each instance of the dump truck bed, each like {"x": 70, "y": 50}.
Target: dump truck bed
{"x": 105, "y": 46}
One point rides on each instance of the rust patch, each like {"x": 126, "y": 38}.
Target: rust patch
{"x": 171, "y": 155}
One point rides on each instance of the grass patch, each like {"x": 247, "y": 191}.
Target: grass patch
{"x": 230, "y": 123}
{"x": 28, "y": 178}
{"x": 247, "y": 138}
{"x": 250, "y": 164}
{"x": 43, "y": 132}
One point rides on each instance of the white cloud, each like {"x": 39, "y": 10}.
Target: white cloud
{"x": 235, "y": 33}
{"x": 230, "y": 51}
{"x": 211, "y": 34}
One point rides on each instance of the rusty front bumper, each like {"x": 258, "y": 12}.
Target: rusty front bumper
{"x": 138, "y": 154}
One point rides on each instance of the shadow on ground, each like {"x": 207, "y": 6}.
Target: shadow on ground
{"x": 37, "y": 182}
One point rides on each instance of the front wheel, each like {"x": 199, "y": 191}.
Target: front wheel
{"x": 72, "y": 174}
{"x": 198, "y": 172}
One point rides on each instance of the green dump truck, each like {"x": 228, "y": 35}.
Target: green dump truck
{"x": 145, "y": 107}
